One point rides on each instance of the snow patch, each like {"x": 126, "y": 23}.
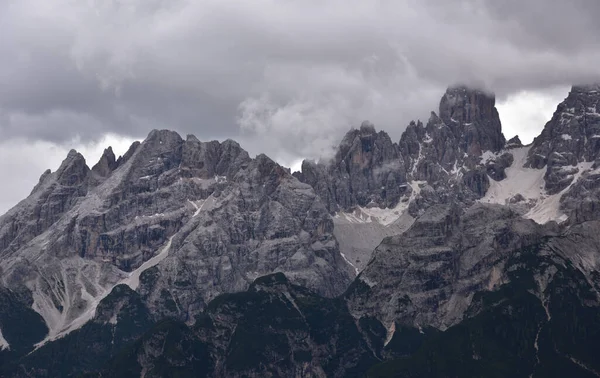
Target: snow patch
{"x": 390, "y": 334}
{"x": 416, "y": 162}
{"x": 198, "y": 208}
{"x": 455, "y": 169}
{"x": 527, "y": 182}
{"x": 530, "y": 183}
{"x": 549, "y": 208}
{"x": 3, "y": 343}
{"x": 375, "y": 214}
{"x": 487, "y": 156}
{"x": 384, "y": 217}
{"x": 566, "y": 137}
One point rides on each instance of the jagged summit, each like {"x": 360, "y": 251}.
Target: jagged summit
{"x": 571, "y": 137}
{"x": 73, "y": 170}
{"x": 367, "y": 127}
{"x": 367, "y": 169}
{"x": 514, "y": 142}
{"x": 202, "y": 214}
{"x": 106, "y": 164}
{"x": 472, "y": 116}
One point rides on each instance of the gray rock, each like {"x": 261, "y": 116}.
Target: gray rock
{"x": 366, "y": 169}
{"x": 570, "y": 137}
{"x": 219, "y": 218}
{"x": 472, "y": 116}
{"x": 427, "y": 276}
{"x": 107, "y": 163}
{"x": 514, "y": 142}
{"x": 496, "y": 168}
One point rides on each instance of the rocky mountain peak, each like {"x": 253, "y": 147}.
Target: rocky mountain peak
{"x": 73, "y": 170}
{"x": 130, "y": 151}
{"x": 367, "y": 169}
{"x": 162, "y": 136}
{"x": 472, "y": 116}
{"x": 210, "y": 159}
{"x": 106, "y": 164}
{"x": 367, "y": 127}
{"x": 514, "y": 142}
{"x": 191, "y": 138}
{"x": 571, "y": 137}
{"x": 361, "y": 141}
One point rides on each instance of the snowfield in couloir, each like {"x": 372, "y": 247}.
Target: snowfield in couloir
{"x": 529, "y": 183}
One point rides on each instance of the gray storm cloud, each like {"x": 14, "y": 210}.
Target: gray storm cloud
{"x": 287, "y": 78}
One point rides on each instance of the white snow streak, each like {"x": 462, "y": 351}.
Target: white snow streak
{"x": 198, "y": 208}
{"x": 348, "y": 261}
{"x": 3, "y": 343}
{"x": 416, "y": 162}
{"x": 390, "y": 334}
{"x": 133, "y": 281}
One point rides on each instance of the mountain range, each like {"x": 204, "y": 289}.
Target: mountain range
{"x": 449, "y": 253}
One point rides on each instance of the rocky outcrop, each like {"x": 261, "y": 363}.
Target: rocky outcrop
{"x": 571, "y": 137}
{"x": 54, "y": 195}
{"x": 367, "y": 169}
{"x": 496, "y": 167}
{"x": 581, "y": 202}
{"x": 453, "y": 143}
{"x": 107, "y": 163}
{"x": 514, "y": 142}
{"x": 427, "y": 276}
{"x": 214, "y": 219}
{"x": 472, "y": 116}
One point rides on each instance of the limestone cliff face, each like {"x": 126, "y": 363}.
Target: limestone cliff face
{"x": 213, "y": 217}
{"x": 571, "y": 137}
{"x": 427, "y": 276}
{"x": 366, "y": 169}
{"x": 473, "y": 118}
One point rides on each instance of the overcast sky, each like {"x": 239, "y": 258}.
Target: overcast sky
{"x": 284, "y": 77}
